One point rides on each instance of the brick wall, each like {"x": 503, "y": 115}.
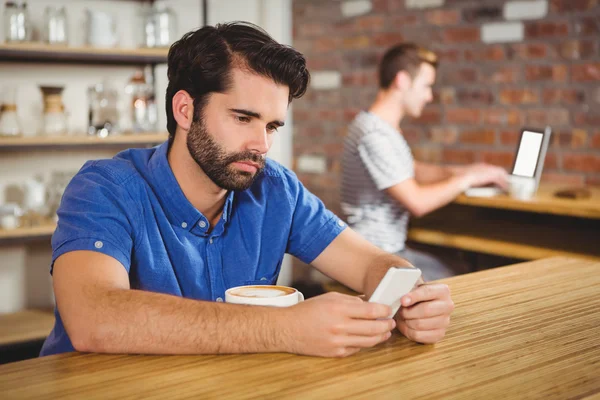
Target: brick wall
{"x": 504, "y": 64}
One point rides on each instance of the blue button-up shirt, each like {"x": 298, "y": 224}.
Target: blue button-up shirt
{"x": 132, "y": 209}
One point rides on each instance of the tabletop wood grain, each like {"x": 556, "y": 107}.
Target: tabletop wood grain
{"x": 544, "y": 202}
{"x": 525, "y": 331}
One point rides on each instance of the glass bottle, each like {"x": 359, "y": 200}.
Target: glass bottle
{"x": 55, "y": 25}
{"x": 55, "y": 121}
{"x": 17, "y": 26}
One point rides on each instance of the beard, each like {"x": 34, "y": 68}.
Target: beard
{"x": 216, "y": 162}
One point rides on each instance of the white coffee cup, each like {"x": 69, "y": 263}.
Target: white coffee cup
{"x": 264, "y": 295}
{"x": 521, "y": 187}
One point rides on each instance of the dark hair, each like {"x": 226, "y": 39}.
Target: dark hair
{"x": 201, "y": 62}
{"x": 404, "y": 57}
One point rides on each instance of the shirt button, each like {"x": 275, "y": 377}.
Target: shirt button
{"x": 341, "y": 223}
{"x": 98, "y": 244}
{"x": 202, "y": 224}
{"x": 184, "y": 224}
{"x": 219, "y": 300}
{"x": 210, "y": 241}
{"x": 263, "y": 279}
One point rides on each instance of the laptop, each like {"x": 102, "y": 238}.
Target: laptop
{"x": 529, "y": 160}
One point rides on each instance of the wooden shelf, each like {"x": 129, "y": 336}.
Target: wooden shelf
{"x": 29, "y": 233}
{"x": 25, "y": 326}
{"x": 40, "y": 52}
{"x": 523, "y": 241}
{"x": 44, "y": 142}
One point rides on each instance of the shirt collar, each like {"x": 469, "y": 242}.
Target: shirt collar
{"x": 176, "y": 206}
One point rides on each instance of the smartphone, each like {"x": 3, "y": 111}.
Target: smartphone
{"x": 397, "y": 282}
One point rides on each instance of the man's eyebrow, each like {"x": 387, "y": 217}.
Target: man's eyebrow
{"x": 255, "y": 115}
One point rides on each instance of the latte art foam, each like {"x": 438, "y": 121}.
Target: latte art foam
{"x": 262, "y": 291}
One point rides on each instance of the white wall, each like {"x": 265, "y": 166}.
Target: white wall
{"x": 24, "y": 277}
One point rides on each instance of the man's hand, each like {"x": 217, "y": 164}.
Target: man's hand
{"x": 335, "y": 325}
{"x": 482, "y": 174}
{"x": 425, "y": 313}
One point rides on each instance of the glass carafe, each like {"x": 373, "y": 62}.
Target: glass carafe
{"x": 55, "y": 120}
{"x": 103, "y": 112}
{"x": 9, "y": 121}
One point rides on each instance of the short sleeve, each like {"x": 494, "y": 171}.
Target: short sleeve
{"x": 313, "y": 228}
{"x": 388, "y": 161}
{"x": 96, "y": 213}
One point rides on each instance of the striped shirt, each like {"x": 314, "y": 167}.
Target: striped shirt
{"x": 376, "y": 157}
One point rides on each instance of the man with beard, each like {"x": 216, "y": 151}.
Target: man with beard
{"x": 382, "y": 185}
{"x": 148, "y": 242}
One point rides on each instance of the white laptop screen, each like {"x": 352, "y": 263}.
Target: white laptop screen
{"x": 528, "y": 153}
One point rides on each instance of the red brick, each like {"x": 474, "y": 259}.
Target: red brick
{"x": 562, "y": 178}
{"x": 328, "y": 115}
{"x": 542, "y": 29}
{"x": 519, "y": 96}
{"x": 563, "y": 96}
{"x": 564, "y": 6}
{"x": 356, "y": 42}
{"x": 503, "y": 117}
{"x": 595, "y": 142}
{"x": 482, "y": 13}
{"x": 478, "y": 137}
{"x": 589, "y": 26}
{"x": 368, "y": 23}
{"x": 460, "y": 75}
{"x": 577, "y": 49}
{"x": 457, "y": 156}
{"x": 350, "y": 113}
{"x": 427, "y": 153}
{"x": 586, "y": 118}
{"x": 326, "y": 44}
{"x": 386, "y": 39}
{"x": 542, "y": 117}
{"x": 360, "y": 60}
{"x": 462, "y": 35}
{"x": 324, "y": 62}
{"x": 556, "y": 73}
{"x": 529, "y": 51}
{"x": 510, "y": 138}
{"x": 431, "y": 115}
{"x": 399, "y": 21}
{"x": 488, "y": 53}
{"x": 463, "y": 115}
{"x": 571, "y": 139}
{"x": 387, "y": 5}
{"x": 581, "y": 162}
{"x": 442, "y": 17}
{"x": 500, "y": 158}
{"x": 586, "y": 72}
{"x": 447, "y": 95}
{"x": 359, "y": 78}
{"x": 448, "y": 55}
{"x": 505, "y": 75}
{"x": 311, "y": 29}
{"x": 593, "y": 180}
{"x": 551, "y": 161}
{"x": 443, "y": 135}
{"x": 475, "y": 96}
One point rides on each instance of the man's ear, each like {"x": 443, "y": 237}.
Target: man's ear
{"x": 403, "y": 80}
{"x": 183, "y": 109}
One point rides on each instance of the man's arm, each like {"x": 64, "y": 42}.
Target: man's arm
{"x": 358, "y": 264}
{"x": 427, "y": 173}
{"x": 102, "y": 314}
{"x": 420, "y": 199}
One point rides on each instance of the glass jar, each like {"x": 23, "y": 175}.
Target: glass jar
{"x": 159, "y": 25}
{"x": 17, "y": 26}
{"x": 9, "y": 121}
{"x": 103, "y": 111}
{"x": 55, "y": 25}
{"x": 10, "y": 216}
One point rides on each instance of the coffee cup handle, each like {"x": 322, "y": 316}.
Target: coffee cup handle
{"x": 300, "y": 296}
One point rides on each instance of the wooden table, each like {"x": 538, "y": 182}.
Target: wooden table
{"x": 525, "y": 331}
{"x": 545, "y": 226}
{"x": 25, "y": 326}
